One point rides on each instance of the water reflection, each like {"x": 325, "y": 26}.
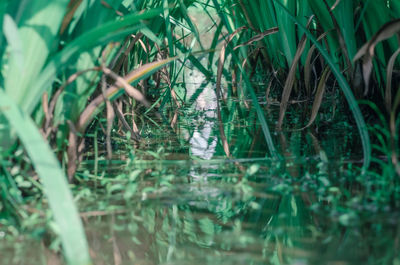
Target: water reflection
{"x": 171, "y": 208}
{"x": 248, "y": 222}
{"x": 263, "y": 219}
{"x": 203, "y": 101}
{"x": 203, "y": 143}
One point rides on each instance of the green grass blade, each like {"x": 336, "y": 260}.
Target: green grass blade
{"x": 344, "y": 13}
{"x": 260, "y": 115}
{"x": 303, "y": 12}
{"x": 193, "y": 60}
{"x": 193, "y": 28}
{"x": 362, "y": 128}
{"x": 168, "y": 30}
{"x": 54, "y": 182}
{"x": 287, "y": 30}
{"x": 324, "y": 19}
{"x": 76, "y": 94}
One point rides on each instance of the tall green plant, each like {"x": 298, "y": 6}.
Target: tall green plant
{"x": 362, "y": 128}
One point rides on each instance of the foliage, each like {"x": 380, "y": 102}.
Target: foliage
{"x": 86, "y": 81}
{"x": 336, "y": 29}
{"x": 79, "y": 35}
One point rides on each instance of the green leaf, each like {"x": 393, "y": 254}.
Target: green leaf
{"x": 54, "y": 182}
{"x": 39, "y": 22}
{"x": 11, "y": 33}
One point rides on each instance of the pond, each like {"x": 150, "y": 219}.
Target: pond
{"x": 175, "y": 198}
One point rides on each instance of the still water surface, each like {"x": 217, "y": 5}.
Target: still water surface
{"x": 176, "y": 199}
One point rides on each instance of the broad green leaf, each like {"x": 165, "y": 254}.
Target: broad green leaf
{"x": 287, "y": 31}
{"x": 56, "y": 188}
{"x": 11, "y": 33}
{"x": 38, "y": 30}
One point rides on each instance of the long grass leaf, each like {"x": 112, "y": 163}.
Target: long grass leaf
{"x": 168, "y": 30}
{"x": 345, "y": 18}
{"x": 260, "y": 114}
{"x": 193, "y": 28}
{"x": 54, "y": 182}
{"x": 3, "y": 7}
{"x": 287, "y": 31}
{"x": 339, "y": 33}
{"x": 324, "y": 20}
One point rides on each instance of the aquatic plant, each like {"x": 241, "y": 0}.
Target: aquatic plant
{"x": 333, "y": 29}
{"x": 73, "y": 71}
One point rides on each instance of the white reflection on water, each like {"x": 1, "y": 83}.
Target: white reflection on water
{"x": 202, "y": 142}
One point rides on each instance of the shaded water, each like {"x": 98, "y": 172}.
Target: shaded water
{"x": 175, "y": 199}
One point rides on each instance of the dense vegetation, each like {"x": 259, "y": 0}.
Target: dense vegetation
{"x": 69, "y": 68}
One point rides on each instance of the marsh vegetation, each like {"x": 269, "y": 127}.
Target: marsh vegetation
{"x": 199, "y": 132}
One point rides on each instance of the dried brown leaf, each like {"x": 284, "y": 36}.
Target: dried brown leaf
{"x": 87, "y": 115}
{"x": 389, "y": 74}
{"x": 258, "y": 37}
{"x": 367, "y": 50}
{"x": 342, "y": 43}
{"x": 318, "y": 96}
{"x": 290, "y": 81}
{"x": 133, "y": 131}
{"x": 335, "y": 5}
{"x": 307, "y": 64}
{"x": 72, "y": 7}
{"x": 72, "y": 151}
{"x": 110, "y": 117}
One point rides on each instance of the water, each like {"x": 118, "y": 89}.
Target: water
{"x": 176, "y": 199}
{"x": 189, "y": 212}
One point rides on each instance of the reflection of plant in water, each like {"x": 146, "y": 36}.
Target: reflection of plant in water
{"x": 287, "y": 232}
